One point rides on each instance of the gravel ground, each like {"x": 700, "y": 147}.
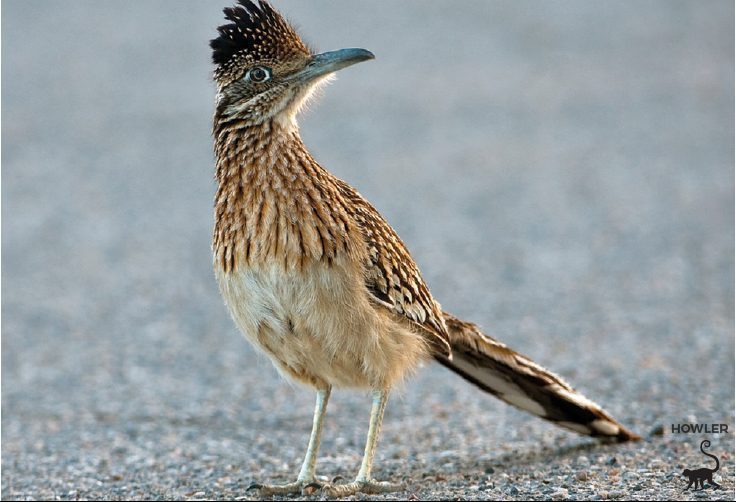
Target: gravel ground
{"x": 563, "y": 173}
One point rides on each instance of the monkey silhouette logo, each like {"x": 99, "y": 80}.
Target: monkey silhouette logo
{"x": 704, "y": 474}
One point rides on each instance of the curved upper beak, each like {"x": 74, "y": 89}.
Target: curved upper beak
{"x": 329, "y": 62}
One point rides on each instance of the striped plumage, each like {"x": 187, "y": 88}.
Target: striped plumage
{"x": 519, "y": 381}
{"x": 391, "y": 276}
{"x": 311, "y": 272}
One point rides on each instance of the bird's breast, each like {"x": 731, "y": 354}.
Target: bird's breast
{"x": 278, "y": 220}
{"x": 319, "y": 326}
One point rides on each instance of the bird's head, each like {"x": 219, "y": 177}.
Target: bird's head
{"x": 263, "y": 69}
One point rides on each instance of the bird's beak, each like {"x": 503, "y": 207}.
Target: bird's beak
{"x": 329, "y": 62}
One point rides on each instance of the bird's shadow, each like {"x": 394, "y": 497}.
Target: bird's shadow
{"x": 551, "y": 454}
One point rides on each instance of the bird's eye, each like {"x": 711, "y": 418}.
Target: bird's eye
{"x": 258, "y": 74}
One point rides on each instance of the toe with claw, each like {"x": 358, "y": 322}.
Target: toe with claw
{"x": 371, "y": 487}
{"x": 295, "y": 488}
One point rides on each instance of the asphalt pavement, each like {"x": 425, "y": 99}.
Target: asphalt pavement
{"x": 563, "y": 173}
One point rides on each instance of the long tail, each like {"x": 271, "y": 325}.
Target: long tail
{"x": 706, "y": 444}
{"x": 519, "y": 381}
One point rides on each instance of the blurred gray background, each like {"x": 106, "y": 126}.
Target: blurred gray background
{"x": 562, "y": 172}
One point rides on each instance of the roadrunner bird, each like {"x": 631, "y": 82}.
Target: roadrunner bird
{"x": 311, "y": 272}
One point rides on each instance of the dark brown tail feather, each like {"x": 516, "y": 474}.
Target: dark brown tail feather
{"x": 517, "y": 380}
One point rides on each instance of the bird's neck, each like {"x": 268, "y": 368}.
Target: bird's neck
{"x": 273, "y": 202}
{"x": 243, "y": 148}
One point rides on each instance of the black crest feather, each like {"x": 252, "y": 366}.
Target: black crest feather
{"x": 256, "y": 32}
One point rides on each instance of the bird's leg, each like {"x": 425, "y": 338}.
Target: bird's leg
{"x": 363, "y": 483}
{"x": 306, "y": 474}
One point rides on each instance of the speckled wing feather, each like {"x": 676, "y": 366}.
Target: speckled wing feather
{"x": 392, "y": 276}
{"x": 517, "y": 380}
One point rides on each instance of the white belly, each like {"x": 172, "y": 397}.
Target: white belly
{"x": 319, "y": 327}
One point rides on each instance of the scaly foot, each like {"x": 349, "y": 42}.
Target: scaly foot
{"x": 369, "y": 487}
{"x": 295, "y": 488}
